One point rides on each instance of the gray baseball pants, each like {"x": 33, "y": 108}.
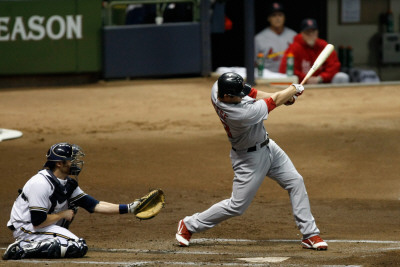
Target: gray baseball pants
{"x": 250, "y": 169}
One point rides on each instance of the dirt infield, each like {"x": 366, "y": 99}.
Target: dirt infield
{"x": 143, "y": 134}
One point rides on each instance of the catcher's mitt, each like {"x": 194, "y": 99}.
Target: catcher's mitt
{"x": 150, "y": 205}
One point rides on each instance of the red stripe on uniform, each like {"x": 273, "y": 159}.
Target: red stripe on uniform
{"x": 270, "y": 104}
{"x": 253, "y": 93}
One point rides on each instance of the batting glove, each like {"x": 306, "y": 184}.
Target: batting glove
{"x": 299, "y": 88}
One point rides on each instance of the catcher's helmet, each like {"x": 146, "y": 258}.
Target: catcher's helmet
{"x": 59, "y": 152}
{"x": 232, "y": 84}
{"x": 66, "y": 151}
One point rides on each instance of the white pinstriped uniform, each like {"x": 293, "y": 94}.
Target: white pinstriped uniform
{"x": 35, "y": 196}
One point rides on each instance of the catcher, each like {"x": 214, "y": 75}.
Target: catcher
{"x": 48, "y": 202}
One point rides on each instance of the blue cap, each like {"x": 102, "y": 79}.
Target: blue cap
{"x": 275, "y": 7}
{"x": 307, "y": 24}
{"x": 59, "y": 152}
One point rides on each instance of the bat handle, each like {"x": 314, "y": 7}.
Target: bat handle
{"x": 309, "y": 74}
{"x": 305, "y": 79}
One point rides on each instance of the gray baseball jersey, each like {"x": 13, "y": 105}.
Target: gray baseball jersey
{"x": 273, "y": 46}
{"x": 243, "y": 123}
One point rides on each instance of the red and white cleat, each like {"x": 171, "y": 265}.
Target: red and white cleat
{"x": 314, "y": 242}
{"x": 183, "y": 235}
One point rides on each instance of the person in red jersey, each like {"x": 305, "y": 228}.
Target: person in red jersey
{"x": 305, "y": 48}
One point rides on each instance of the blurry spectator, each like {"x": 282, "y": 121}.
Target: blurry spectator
{"x": 140, "y": 14}
{"x": 170, "y": 12}
{"x": 275, "y": 39}
{"x": 306, "y": 47}
{"x": 178, "y": 12}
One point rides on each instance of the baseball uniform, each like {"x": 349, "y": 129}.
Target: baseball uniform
{"x": 45, "y": 193}
{"x": 253, "y": 156}
{"x": 273, "y": 46}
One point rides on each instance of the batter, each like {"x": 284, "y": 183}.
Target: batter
{"x": 254, "y": 155}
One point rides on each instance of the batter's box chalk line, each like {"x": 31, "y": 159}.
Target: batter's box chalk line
{"x": 264, "y": 259}
{"x": 222, "y": 240}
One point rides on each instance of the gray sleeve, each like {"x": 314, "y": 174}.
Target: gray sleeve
{"x": 255, "y": 113}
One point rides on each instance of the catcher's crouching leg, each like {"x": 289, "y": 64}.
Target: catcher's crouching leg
{"x": 48, "y": 249}
{"x": 45, "y": 249}
{"x": 75, "y": 249}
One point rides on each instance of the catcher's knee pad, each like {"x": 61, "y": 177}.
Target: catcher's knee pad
{"x": 47, "y": 249}
{"x": 76, "y": 249}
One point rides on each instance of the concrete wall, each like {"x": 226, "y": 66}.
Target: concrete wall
{"x": 358, "y": 36}
{"x": 395, "y": 5}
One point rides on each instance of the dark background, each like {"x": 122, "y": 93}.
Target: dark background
{"x": 228, "y": 47}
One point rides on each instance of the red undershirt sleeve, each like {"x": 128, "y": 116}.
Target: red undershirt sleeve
{"x": 253, "y": 93}
{"x": 270, "y": 104}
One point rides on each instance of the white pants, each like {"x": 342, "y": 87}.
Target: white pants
{"x": 26, "y": 232}
{"x": 250, "y": 169}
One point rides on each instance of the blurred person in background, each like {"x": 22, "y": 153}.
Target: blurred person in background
{"x": 305, "y": 48}
{"x": 275, "y": 39}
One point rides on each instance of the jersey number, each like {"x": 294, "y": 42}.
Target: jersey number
{"x": 226, "y": 127}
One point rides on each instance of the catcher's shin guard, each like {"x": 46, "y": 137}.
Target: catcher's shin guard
{"x": 47, "y": 249}
{"x": 76, "y": 249}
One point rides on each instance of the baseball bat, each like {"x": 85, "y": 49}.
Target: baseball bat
{"x": 319, "y": 61}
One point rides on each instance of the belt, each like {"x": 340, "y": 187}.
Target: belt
{"x": 11, "y": 227}
{"x": 254, "y": 148}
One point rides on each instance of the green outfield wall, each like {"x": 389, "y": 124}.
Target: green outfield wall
{"x": 50, "y": 36}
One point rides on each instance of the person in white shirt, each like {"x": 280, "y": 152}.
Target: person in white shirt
{"x": 275, "y": 39}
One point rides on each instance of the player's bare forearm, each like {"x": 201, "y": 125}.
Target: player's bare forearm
{"x": 106, "y": 208}
{"x": 263, "y": 95}
{"x": 283, "y": 96}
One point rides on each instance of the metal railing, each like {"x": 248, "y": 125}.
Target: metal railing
{"x": 161, "y": 5}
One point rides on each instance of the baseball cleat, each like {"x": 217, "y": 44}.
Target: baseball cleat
{"x": 314, "y": 242}
{"x": 183, "y": 235}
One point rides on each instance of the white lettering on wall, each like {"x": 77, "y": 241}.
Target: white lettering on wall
{"x": 50, "y": 27}
{"x": 38, "y": 27}
{"x": 3, "y": 28}
{"x": 37, "y": 31}
{"x": 74, "y": 27}
{"x": 18, "y": 29}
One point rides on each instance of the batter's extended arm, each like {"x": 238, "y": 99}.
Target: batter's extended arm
{"x": 262, "y": 95}
{"x": 280, "y": 97}
{"x": 285, "y": 95}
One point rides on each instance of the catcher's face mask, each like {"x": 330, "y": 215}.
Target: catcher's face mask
{"x": 77, "y": 160}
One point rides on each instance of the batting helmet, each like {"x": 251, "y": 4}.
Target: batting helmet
{"x": 66, "y": 151}
{"x": 232, "y": 84}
